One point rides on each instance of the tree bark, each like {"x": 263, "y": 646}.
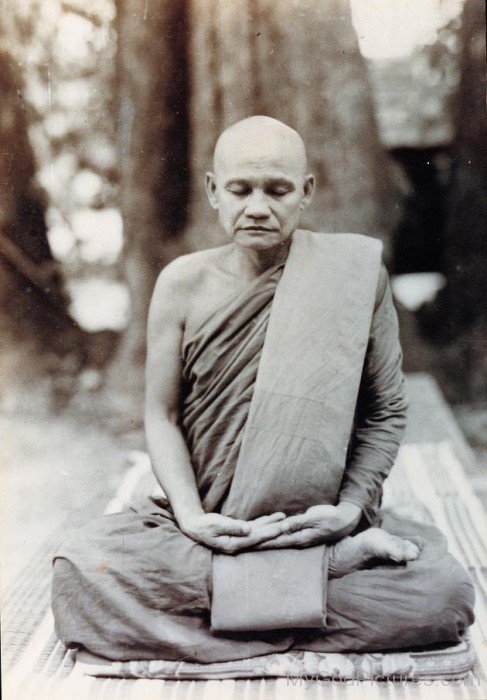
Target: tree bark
{"x": 298, "y": 62}
{"x": 32, "y": 301}
{"x": 457, "y": 319}
{"x": 152, "y": 128}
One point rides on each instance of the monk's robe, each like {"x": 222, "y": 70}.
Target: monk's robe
{"x": 294, "y": 396}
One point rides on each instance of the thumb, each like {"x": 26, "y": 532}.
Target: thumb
{"x": 296, "y": 522}
{"x": 230, "y": 526}
{"x": 266, "y": 519}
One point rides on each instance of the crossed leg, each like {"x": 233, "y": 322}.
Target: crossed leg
{"x": 133, "y": 586}
{"x": 426, "y": 599}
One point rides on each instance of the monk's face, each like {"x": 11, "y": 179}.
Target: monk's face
{"x": 259, "y": 186}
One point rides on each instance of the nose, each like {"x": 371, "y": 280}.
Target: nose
{"x": 257, "y": 206}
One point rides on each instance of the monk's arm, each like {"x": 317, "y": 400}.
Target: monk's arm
{"x": 167, "y": 447}
{"x": 381, "y": 409}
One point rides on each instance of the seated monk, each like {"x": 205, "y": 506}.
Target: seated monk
{"x": 275, "y": 407}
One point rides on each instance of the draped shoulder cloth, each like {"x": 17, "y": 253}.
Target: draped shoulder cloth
{"x": 298, "y": 430}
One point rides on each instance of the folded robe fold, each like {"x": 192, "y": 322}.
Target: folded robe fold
{"x": 269, "y": 590}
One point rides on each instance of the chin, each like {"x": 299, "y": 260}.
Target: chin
{"x": 258, "y": 242}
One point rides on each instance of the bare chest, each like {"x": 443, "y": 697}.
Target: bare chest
{"x": 210, "y": 294}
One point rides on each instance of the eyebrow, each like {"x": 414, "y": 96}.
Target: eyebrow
{"x": 275, "y": 182}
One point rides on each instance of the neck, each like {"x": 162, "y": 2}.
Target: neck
{"x": 255, "y": 262}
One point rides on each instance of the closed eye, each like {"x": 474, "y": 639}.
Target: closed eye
{"x": 279, "y": 188}
{"x": 238, "y": 189}
{"x": 279, "y": 192}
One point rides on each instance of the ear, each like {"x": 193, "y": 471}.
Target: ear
{"x": 308, "y": 189}
{"x": 211, "y": 192}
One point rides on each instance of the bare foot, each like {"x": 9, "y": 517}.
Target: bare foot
{"x": 353, "y": 553}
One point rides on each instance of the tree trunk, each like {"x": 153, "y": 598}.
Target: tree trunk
{"x": 465, "y": 245}
{"x": 42, "y": 347}
{"x": 298, "y": 62}
{"x": 152, "y": 83}
{"x": 457, "y": 319}
{"x": 32, "y": 302}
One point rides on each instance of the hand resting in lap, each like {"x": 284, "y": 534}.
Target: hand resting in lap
{"x": 324, "y": 524}
{"x": 317, "y": 525}
{"x": 229, "y": 535}
{"x": 332, "y": 524}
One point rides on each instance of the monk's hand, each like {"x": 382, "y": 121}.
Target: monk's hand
{"x": 229, "y": 535}
{"x": 318, "y": 525}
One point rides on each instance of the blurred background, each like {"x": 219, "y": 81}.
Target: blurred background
{"x": 108, "y": 116}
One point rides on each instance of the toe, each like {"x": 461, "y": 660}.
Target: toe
{"x": 396, "y": 549}
{"x": 411, "y": 550}
{"x": 403, "y": 550}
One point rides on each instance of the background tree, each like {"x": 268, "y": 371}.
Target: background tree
{"x": 457, "y": 319}
{"x": 153, "y": 148}
{"x": 33, "y": 306}
{"x": 30, "y": 286}
{"x": 50, "y": 147}
{"x": 298, "y": 62}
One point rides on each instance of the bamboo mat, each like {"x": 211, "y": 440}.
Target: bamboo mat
{"x": 428, "y": 483}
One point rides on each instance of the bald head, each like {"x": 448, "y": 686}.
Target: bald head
{"x": 259, "y": 185}
{"x": 261, "y": 140}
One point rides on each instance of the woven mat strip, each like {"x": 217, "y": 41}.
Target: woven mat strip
{"x": 29, "y": 618}
{"x": 30, "y": 575}
{"x": 416, "y": 463}
{"x": 32, "y": 647}
{"x": 44, "y": 655}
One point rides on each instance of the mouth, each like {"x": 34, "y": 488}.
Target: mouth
{"x": 260, "y": 229}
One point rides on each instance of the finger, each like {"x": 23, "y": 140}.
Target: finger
{"x": 265, "y": 532}
{"x": 301, "y": 538}
{"x": 225, "y": 545}
{"x": 276, "y": 543}
{"x": 229, "y": 526}
{"x": 272, "y": 518}
{"x": 260, "y": 534}
{"x": 297, "y": 522}
{"x": 273, "y": 528}
{"x": 266, "y": 538}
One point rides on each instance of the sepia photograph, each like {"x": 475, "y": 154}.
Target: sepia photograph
{"x": 243, "y": 349}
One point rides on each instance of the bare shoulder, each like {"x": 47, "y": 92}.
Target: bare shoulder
{"x": 187, "y": 266}
{"x": 184, "y": 273}
{"x": 181, "y": 279}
